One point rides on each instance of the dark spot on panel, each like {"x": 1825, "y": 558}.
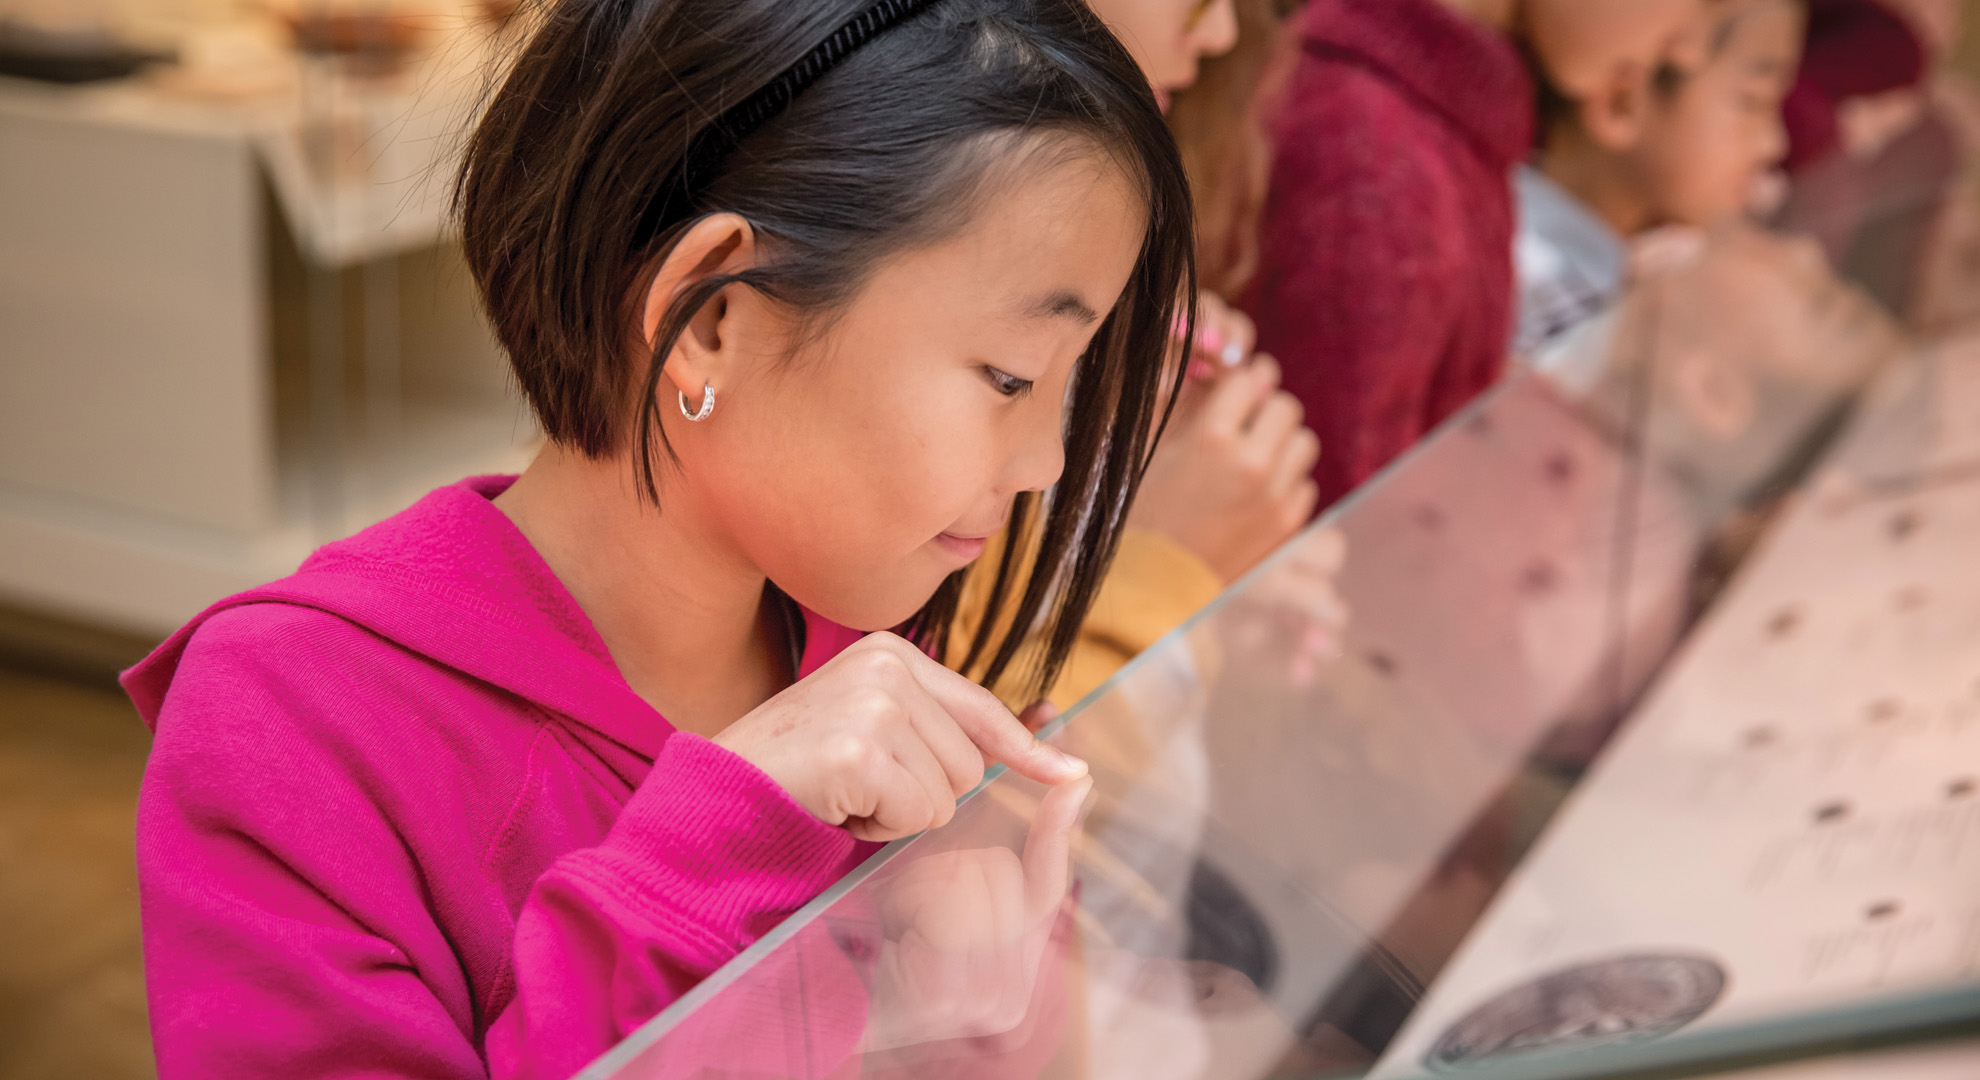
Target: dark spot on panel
{"x": 1559, "y": 468}
{"x": 1540, "y": 579}
{"x": 1903, "y": 524}
{"x": 1429, "y": 517}
{"x": 1830, "y": 812}
{"x": 1885, "y": 710}
{"x": 1785, "y": 622}
{"x": 1962, "y": 787}
{"x": 1382, "y": 662}
{"x": 1881, "y": 910}
{"x": 1760, "y": 736}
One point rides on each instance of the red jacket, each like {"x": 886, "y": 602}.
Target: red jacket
{"x": 1385, "y": 285}
{"x": 1856, "y": 48}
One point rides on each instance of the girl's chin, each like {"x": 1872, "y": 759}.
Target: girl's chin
{"x": 871, "y": 605}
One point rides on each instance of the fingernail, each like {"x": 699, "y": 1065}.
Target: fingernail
{"x": 1070, "y": 812}
{"x": 1233, "y": 355}
{"x": 1074, "y": 767}
{"x": 1211, "y": 339}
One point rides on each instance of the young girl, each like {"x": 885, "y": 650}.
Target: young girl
{"x": 806, "y": 297}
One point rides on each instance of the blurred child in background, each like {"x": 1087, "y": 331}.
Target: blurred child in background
{"x": 1751, "y": 341}
{"x": 1385, "y": 277}
{"x": 1692, "y": 148}
{"x": 1878, "y": 147}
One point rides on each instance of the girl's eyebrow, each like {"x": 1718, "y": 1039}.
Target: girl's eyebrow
{"x": 1062, "y": 303}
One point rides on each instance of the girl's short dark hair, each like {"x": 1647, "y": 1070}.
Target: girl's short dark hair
{"x": 886, "y": 152}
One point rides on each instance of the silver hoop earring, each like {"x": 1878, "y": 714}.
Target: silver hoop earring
{"x": 707, "y": 404}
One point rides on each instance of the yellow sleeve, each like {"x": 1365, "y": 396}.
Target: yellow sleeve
{"x": 1153, "y": 586}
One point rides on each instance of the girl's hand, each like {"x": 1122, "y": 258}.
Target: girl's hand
{"x": 883, "y": 740}
{"x": 964, "y": 933}
{"x": 1232, "y": 477}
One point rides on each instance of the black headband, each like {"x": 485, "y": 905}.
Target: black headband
{"x": 716, "y": 141}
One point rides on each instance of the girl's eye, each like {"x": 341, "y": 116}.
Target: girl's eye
{"x": 1007, "y": 384}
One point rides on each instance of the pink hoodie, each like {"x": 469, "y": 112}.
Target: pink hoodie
{"x": 404, "y": 818}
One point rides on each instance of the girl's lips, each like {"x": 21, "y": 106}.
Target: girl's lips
{"x": 966, "y": 548}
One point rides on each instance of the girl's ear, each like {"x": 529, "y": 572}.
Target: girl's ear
{"x": 1616, "y": 115}
{"x": 707, "y": 348}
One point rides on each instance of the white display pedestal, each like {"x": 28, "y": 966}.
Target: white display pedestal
{"x": 190, "y": 400}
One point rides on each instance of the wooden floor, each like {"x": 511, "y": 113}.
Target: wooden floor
{"x": 71, "y": 977}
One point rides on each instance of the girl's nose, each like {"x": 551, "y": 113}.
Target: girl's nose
{"x": 1041, "y": 457}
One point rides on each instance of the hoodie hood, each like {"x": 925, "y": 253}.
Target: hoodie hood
{"x": 452, "y": 580}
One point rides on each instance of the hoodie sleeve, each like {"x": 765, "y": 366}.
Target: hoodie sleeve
{"x": 318, "y": 901}
{"x": 708, "y": 856}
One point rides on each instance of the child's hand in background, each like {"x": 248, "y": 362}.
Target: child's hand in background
{"x": 1232, "y": 478}
{"x": 1225, "y": 337}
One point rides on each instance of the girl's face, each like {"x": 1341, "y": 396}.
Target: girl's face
{"x": 859, "y": 466}
{"x": 1706, "y": 150}
{"x": 1170, "y": 38}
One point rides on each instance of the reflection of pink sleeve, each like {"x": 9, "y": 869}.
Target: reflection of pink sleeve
{"x": 704, "y": 859}
{"x": 801, "y": 1012}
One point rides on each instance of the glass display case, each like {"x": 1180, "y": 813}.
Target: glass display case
{"x": 1631, "y": 723}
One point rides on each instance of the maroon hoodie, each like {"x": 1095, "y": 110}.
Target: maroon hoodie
{"x": 1385, "y": 281}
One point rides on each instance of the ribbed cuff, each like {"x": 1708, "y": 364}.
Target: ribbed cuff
{"x": 709, "y": 840}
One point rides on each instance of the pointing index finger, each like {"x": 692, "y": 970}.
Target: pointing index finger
{"x": 998, "y": 734}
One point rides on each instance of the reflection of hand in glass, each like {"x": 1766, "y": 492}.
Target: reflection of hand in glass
{"x": 1297, "y": 609}
{"x": 1231, "y": 480}
{"x": 965, "y": 933}
{"x": 1718, "y": 397}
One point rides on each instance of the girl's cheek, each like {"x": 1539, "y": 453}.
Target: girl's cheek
{"x": 937, "y": 473}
